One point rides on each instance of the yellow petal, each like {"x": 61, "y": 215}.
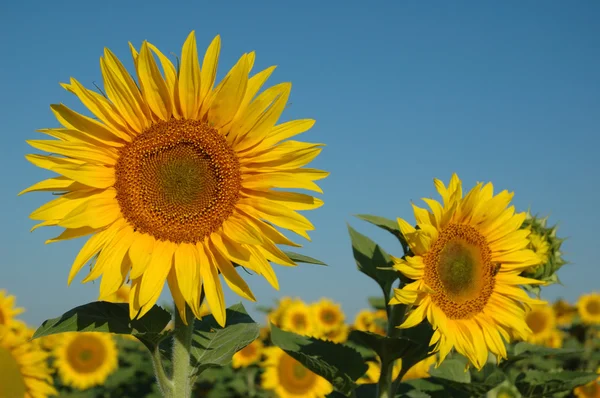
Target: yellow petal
{"x": 254, "y": 85}
{"x": 189, "y": 78}
{"x": 232, "y": 278}
{"x": 73, "y": 120}
{"x": 112, "y": 253}
{"x": 235, "y": 252}
{"x": 93, "y": 213}
{"x": 292, "y": 200}
{"x": 210, "y": 63}
{"x": 212, "y": 285}
{"x": 229, "y": 94}
{"x": 170, "y": 78}
{"x": 90, "y": 248}
{"x": 262, "y": 266}
{"x": 416, "y": 315}
{"x": 117, "y": 265}
{"x": 177, "y": 295}
{"x": 154, "y": 87}
{"x": 140, "y": 254}
{"x": 88, "y": 174}
{"x": 299, "y": 178}
{"x": 52, "y": 184}
{"x": 279, "y": 215}
{"x": 287, "y": 130}
{"x": 241, "y": 232}
{"x": 187, "y": 270}
{"x": 72, "y": 234}
{"x": 80, "y": 151}
{"x": 155, "y": 275}
{"x": 58, "y": 208}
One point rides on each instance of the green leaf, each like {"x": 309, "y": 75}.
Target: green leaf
{"x": 387, "y": 224}
{"x": 101, "y": 316}
{"x": 339, "y": 364}
{"x": 527, "y": 352}
{"x": 370, "y": 257}
{"x": 301, "y": 258}
{"x": 213, "y": 345}
{"x": 535, "y": 383}
{"x": 387, "y": 348}
{"x": 452, "y": 369}
{"x": 377, "y": 303}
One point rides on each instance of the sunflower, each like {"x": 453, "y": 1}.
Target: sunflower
{"x": 337, "y": 335}
{"x": 542, "y": 322}
{"x": 248, "y": 355}
{"x": 363, "y": 320}
{"x": 120, "y": 296}
{"x": 177, "y": 180}
{"x": 7, "y": 308}
{"x": 555, "y": 340}
{"x": 589, "y": 390}
{"x": 298, "y": 318}
{"x": 327, "y": 314}
{"x": 420, "y": 370}
{"x": 289, "y": 378}
{"x": 540, "y": 246}
{"x": 589, "y": 308}
{"x": 465, "y": 260}
{"x": 23, "y": 367}
{"x": 274, "y": 316}
{"x": 85, "y": 360}
{"x": 564, "y": 312}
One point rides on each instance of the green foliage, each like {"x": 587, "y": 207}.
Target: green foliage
{"x": 538, "y": 384}
{"x": 389, "y": 225}
{"x": 339, "y": 364}
{"x": 301, "y": 258}
{"x": 377, "y": 303}
{"x": 370, "y": 258}
{"x": 101, "y": 316}
{"x": 213, "y": 345}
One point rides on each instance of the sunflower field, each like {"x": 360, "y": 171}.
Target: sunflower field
{"x": 175, "y": 179}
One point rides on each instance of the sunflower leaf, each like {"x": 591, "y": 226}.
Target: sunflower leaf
{"x": 369, "y": 256}
{"x": 213, "y": 345}
{"x": 535, "y": 383}
{"x": 339, "y": 364}
{"x": 389, "y": 225}
{"x": 301, "y": 258}
{"x": 105, "y": 317}
{"x": 387, "y": 348}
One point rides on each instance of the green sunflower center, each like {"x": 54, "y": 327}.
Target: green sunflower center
{"x": 300, "y": 371}
{"x": 328, "y": 316}
{"x": 593, "y": 307}
{"x": 12, "y": 384}
{"x": 299, "y": 321}
{"x": 537, "y": 321}
{"x": 178, "y": 181}
{"x": 459, "y": 269}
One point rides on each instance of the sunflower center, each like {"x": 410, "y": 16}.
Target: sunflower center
{"x": 299, "y": 321}
{"x": 537, "y": 321}
{"x": 294, "y": 377}
{"x": 12, "y": 384}
{"x": 86, "y": 354}
{"x": 178, "y": 181}
{"x": 249, "y": 351}
{"x": 329, "y": 317}
{"x": 593, "y": 307}
{"x": 459, "y": 269}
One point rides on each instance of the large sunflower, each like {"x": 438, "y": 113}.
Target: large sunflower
{"x": 176, "y": 179}
{"x": 589, "y": 308}
{"x": 289, "y": 378}
{"x": 564, "y": 312}
{"x": 7, "y": 308}
{"x": 23, "y": 367}
{"x": 84, "y": 360}
{"x": 466, "y": 257}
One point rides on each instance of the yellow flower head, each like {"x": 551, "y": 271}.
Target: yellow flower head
{"x": 466, "y": 257}
{"x": 364, "y": 319}
{"x": 542, "y": 322}
{"x": 564, "y": 312}
{"x": 328, "y": 315}
{"x": 23, "y": 367}
{"x": 274, "y": 316}
{"x": 298, "y": 318}
{"x": 540, "y": 246}
{"x": 85, "y": 360}
{"x": 177, "y": 180}
{"x": 337, "y": 335}
{"x": 290, "y": 379}
{"x": 590, "y": 390}
{"x": 248, "y": 355}
{"x": 589, "y": 308}
{"x": 7, "y": 308}
{"x": 120, "y": 296}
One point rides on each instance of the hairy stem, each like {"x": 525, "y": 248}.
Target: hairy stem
{"x": 182, "y": 341}
{"x": 164, "y": 383}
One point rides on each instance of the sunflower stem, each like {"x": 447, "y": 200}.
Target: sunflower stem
{"x": 384, "y": 386}
{"x": 182, "y": 342}
{"x": 164, "y": 383}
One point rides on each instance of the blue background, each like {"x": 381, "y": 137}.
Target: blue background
{"x": 402, "y": 92}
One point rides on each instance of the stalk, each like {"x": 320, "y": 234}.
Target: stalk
{"x": 182, "y": 342}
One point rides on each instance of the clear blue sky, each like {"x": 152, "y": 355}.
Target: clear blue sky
{"x": 402, "y": 92}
